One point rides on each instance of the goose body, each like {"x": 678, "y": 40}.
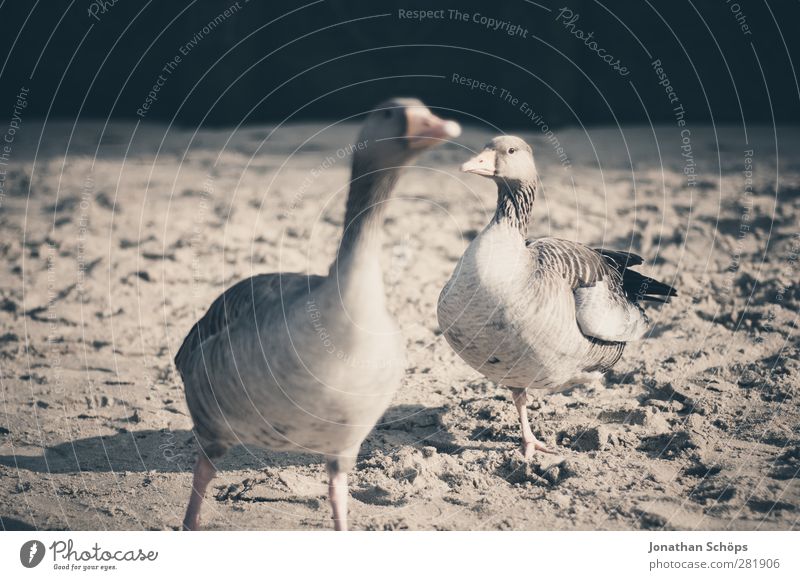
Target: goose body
{"x": 541, "y": 314}
{"x": 309, "y": 363}
{"x": 512, "y": 315}
{"x": 281, "y": 369}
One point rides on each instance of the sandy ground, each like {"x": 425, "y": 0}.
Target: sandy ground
{"x": 115, "y": 239}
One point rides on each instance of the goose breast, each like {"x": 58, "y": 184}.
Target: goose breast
{"x": 308, "y": 381}
{"x": 512, "y": 320}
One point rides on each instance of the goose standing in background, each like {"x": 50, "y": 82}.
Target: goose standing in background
{"x": 303, "y": 362}
{"x": 544, "y": 313}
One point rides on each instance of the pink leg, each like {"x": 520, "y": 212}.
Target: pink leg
{"x": 204, "y": 472}
{"x": 337, "y": 490}
{"x": 530, "y": 444}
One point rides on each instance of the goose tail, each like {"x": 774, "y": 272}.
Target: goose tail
{"x": 637, "y": 287}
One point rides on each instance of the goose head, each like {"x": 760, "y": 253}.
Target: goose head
{"x": 393, "y": 134}
{"x": 506, "y": 159}
{"x": 399, "y": 129}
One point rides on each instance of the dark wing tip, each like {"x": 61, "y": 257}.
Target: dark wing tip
{"x": 635, "y": 285}
{"x": 644, "y": 288}
{"x": 620, "y": 260}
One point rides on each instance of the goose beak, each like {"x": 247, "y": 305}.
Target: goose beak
{"x": 481, "y": 164}
{"x": 424, "y": 129}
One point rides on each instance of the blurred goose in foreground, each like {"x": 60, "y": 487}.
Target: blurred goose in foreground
{"x": 541, "y": 314}
{"x": 304, "y": 362}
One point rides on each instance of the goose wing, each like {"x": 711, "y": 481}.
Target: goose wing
{"x": 241, "y": 299}
{"x": 605, "y": 290}
{"x": 635, "y": 285}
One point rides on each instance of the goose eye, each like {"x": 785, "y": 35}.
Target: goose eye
{"x": 511, "y": 151}
{"x": 387, "y": 113}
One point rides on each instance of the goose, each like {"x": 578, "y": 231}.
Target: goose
{"x": 544, "y": 313}
{"x": 298, "y": 362}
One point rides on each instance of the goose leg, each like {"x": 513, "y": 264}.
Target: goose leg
{"x": 337, "y": 490}
{"x": 530, "y": 444}
{"x": 204, "y": 472}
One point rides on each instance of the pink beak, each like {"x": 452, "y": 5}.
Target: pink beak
{"x": 424, "y": 129}
{"x": 481, "y": 164}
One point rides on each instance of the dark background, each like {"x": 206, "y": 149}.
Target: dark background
{"x": 246, "y": 71}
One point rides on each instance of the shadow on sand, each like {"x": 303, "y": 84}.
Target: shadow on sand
{"x": 168, "y": 451}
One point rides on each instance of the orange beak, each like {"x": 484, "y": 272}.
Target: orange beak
{"x": 481, "y": 164}
{"x": 424, "y": 129}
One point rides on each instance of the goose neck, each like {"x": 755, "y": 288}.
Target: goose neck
{"x": 370, "y": 189}
{"x": 515, "y": 203}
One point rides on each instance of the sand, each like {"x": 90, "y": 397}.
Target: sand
{"x": 116, "y": 238}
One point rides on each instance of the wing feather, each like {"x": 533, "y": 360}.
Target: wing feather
{"x": 241, "y": 299}
{"x": 605, "y": 289}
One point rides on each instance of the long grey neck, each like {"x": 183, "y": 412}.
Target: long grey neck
{"x": 370, "y": 189}
{"x": 515, "y": 203}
